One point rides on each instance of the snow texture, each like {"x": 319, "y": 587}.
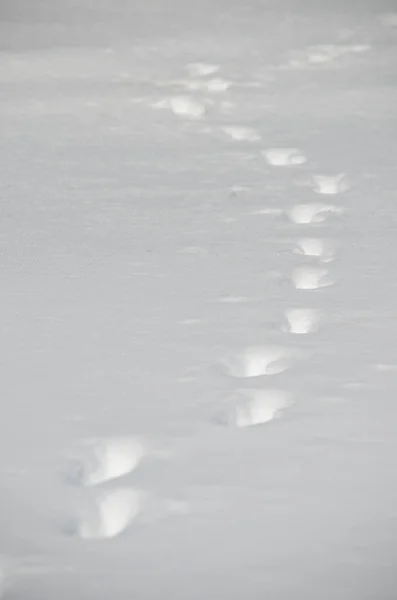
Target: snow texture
{"x": 198, "y": 242}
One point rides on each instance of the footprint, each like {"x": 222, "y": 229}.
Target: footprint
{"x": 255, "y": 407}
{"x": 316, "y": 247}
{"x": 284, "y": 157}
{"x": 305, "y": 214}
{"x": 311, "y": 278}
{"x": 255, "y": 361}
{"x": 105, "y": 459}
{"x": 242, "y": 134}
{"x": 330, "y": 185}
{"x": 186, "y": 106}
{"x": 110, "y": 514}
{"x": 301, "y": 320}
{"x": 200, "y": 69}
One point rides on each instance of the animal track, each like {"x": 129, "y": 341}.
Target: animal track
{"x": 315, "y": 247}
{"x": 112, "y": 512}
{"x": 306, "y": 214}
{"x": 301, "y": 320}
{"x": 311, "y": 278}
{"x": 105, "y": 459}
{"x": 255, "y": 407}
{"x": 242, "y": 134}
{"x": 330, "y": 185}
{"x": 259, "y": 360}
{"x": 284, "y": 157}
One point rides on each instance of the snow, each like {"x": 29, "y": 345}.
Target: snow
{"x": 112, "y": 513}
{"x": 306, "y": 214}
{"x": 330, "y": 185}
{"x": 256, "y": 361}
{"x": 105, "y": 459}
{"x": 259, "y": 406}
{"x": 284, "y": 157}
{"x": 198, "y": 311}
{"x": 302, "y": 320}
{"x": 310, "y": 277}
{"x": 320, "y": 248}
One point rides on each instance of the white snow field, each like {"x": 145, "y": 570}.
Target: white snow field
{"x": 198, "y": 314}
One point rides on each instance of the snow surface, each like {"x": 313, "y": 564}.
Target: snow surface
{"x": 198, "y": 245}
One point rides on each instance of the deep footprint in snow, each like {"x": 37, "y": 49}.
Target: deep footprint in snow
{"x": 284, "y": 157}
{"x": 186, "y": 106}
{"x": 301, "y": 321}
{"x": 256, "y": 361}
{"x": 242, "y": 134}
{"x": 182, "y": 106}
{"x": 315, "y": 247}
{"x": 311, "y": 278}
{"x": 255, "y": 407}
{"x": 307, "y": 214}
{"x": 110, "y": 514}
{"x": 330, "y": 185}
{"x": 103, "y": 459}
